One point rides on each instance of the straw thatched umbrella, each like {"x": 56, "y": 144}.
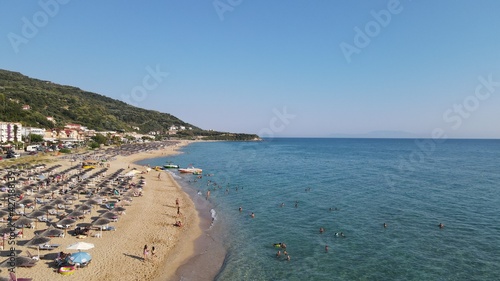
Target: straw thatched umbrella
{"x": 75, "y": 214}
{"x": 119, "y": 209}
{"x": 65, "y": 222}
{"x": 22, "y": 221}
{"x": 52, "y": 232}
{"x": 44, "y": 192}
{"x": 19, "y": 261}
{"x": 25, "y": 201}
{"x": 37, "y": 241}
{"x": 100, "y": 222}
{"x": 69, "y": 197}
{"x": 84, "y": 208}
{"x": 35, "y": 214}
{"x": 5, "y": 232}
{"x": 57, "y": 201}
{"x": 3, "y": 213}
{"x": 47, "y": 208}
{"x": 109, "y": 215}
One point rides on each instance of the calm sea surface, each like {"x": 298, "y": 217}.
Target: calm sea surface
{"x": 353, "y": 186}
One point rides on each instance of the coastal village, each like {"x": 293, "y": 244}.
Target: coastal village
{"x": 14, "y": 134}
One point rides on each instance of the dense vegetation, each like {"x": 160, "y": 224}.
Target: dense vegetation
{"x": 72, "y": 105}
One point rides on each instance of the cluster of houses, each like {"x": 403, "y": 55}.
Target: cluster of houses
{"x": 15, "y": 132}
{"x": 71, "y": 133}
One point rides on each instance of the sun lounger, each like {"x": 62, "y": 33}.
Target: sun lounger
{"x": 49, "y": 246}
{"x": 63, "y": 226}
{"x": 108, "y": 228}
{"x": 31, "y": 256}
{"x": 54, "y": 213}
{"x": 44, "y": 219}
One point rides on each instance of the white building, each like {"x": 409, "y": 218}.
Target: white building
{"x": 10, "y": 132}
{"x": 26, "y": 131}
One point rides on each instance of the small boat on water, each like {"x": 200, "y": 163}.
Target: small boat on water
{"x": 170, "y": 165}
{"x": 191, "y": 170}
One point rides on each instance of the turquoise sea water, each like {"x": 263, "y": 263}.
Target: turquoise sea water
{"x": 411, "y": 186}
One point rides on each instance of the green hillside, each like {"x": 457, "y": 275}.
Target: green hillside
{"x": 72, "y": 105}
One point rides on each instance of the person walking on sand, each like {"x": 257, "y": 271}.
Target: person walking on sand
{"x": 177, "y": 202}
{"x": 145, "y": 252}
{"x": 159, "y": 176}
{"x": 153, "y": 252}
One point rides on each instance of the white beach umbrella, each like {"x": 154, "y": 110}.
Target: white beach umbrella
{"x": 80, "y": 246}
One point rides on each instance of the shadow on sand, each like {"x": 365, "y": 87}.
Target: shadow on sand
{"x": 134, "y": 257}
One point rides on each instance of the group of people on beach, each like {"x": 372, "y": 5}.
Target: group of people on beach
{"x": 178, "y": 223}
{"x": 146, "y": 252}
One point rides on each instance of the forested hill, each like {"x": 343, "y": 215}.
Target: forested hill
{"x": 68, "y": 104}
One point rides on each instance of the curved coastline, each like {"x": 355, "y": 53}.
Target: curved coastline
{"x": 188, "y": 260}
{"x": 148, "y": 220}
{"x": 208, "y": 256}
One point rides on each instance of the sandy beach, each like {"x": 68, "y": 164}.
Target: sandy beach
{"x": 148, "y": 220}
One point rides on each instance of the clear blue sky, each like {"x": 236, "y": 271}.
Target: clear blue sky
{"x": 233, "y": 69}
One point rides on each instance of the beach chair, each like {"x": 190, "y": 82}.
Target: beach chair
{"x": 108, "y": 228}
{"x": 32, "y": 257}
{"x": 14, "y": 278}
{"x": 49, "y": 247}
{"x": 54, "y": 213}
{"x": 44, "y": 219}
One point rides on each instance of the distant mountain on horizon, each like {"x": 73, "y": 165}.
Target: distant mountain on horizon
{"x": 379, "y": 135}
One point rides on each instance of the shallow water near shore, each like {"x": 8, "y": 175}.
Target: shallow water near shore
{"x": 365, "y": 182}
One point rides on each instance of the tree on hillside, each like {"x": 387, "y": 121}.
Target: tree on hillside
{"x": 16, "y": 128}
{"x": 34, "y": 138}
{"x": 100, "y": 139}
